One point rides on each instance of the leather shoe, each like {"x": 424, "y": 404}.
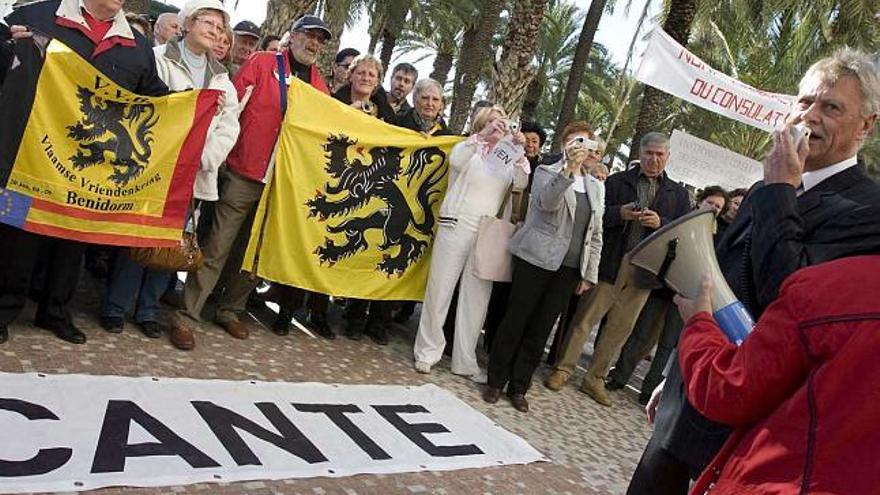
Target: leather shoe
{"x": 519, "y": 402}
{"x": 182, "y": 338}
{"x": 4, "y": 334}
{"x": 595, "y": 388}
{"x": 556, "y": 380}
{"x": 234, "y": 328}
{"x": 64, "y": 330}
{"x": 491, "y": 394}
{"x": 151, "y": 329}
{"x": 112, "y": 324}
{"x": 614, "y": 385}
{"x": 355, "y": 330}
{"x": 318, "y": 322}
{"x": 281, "y": 325}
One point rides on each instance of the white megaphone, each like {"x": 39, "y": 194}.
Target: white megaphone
{"x": 680, "y": 254}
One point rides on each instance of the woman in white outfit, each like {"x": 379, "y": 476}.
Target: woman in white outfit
{"x": 476, "y": 188}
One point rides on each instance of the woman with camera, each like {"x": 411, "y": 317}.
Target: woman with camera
{"x": 478, "y": 186}
{"x": 555, "y": 253}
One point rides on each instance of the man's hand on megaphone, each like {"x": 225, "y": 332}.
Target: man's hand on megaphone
{"x": 703, "y": 302}
{"x": 785, "y": 163}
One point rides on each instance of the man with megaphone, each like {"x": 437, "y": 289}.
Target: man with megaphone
{"x": 815, "y": 204}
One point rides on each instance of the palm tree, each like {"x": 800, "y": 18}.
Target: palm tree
{"x": 280, "y": 13}
{"x": 396, "y": 12}
{"x": 679, "y": 19}
{"x": 475, "y": 52}
{"x": 338, "y": 15}
{"x": 575, "y": 78}
{"x": 515, "y": 69}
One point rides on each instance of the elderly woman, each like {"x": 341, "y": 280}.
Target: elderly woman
{"x": 364, "y": 89}
{"x": 477, "y": 187}
{"x": 556, "y": 253}
{"x": 426, "y": 115}
{"x": 182, "y": 64}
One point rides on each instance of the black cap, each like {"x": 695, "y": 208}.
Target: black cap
{"x": 247, "y": 28}
{"x": 308, "y": 22}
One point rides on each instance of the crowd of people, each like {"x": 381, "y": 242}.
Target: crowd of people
{"x": 575, "y": 225}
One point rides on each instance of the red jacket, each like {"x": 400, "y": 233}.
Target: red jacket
{"x": 260, "y": 118}
{"x": 804, "y": 388}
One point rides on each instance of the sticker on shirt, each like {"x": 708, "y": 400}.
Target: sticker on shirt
{"x": 504, "y": 156}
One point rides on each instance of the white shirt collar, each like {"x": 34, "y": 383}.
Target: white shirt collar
{"x": 812, "y": 179}
{"x": 72, "y": 10}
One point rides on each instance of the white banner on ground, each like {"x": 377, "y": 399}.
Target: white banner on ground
{"x": 76, "y": 432}
{"x": 670, "y": 67}
{"x": 701, "y": 163}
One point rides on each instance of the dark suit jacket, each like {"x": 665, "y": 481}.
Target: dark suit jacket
{"x": 670, "y": 202}
{"x": 774, "y": 234}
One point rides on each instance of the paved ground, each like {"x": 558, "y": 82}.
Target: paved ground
{"x": 593, "y": 449}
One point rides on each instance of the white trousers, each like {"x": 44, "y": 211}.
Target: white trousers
{"x": 452, "y": 259}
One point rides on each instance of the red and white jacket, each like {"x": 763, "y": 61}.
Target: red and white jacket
{"x": 260, "y": 117}
{"x": 803, "y": 389}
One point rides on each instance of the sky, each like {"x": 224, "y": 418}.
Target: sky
{"x": 615, "y": 31}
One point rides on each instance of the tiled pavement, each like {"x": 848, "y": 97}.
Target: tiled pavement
{"x": 593, "y": 449}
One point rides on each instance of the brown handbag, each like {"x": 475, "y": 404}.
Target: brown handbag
{"x": 185, "y": 257}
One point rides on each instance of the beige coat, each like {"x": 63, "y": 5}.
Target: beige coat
{"x": 223, "y": 131}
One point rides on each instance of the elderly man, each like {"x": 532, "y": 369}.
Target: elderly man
{"x": 815, "y": 204}
{"x": 98, "y": 32}
{"x": 247, "y": 167}
{"x": 403, "y": 77}
{"x": 637, "y": 202}
{"x": 167, "y": 26}
{"x": 247, "y": 40}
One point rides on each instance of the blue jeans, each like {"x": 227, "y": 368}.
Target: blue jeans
{"x": 129, "y": 280}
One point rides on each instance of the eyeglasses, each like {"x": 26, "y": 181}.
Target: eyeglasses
{"x": 217, "y": 27}
{"x": 344, "y": 66}
{"x": 314, "y": 34}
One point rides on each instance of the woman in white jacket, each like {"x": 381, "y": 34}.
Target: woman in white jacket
{"x": 476, "y": 188}
{"x": 183, "y": 63}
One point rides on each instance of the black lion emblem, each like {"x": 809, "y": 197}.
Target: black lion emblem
{"x": 355, "y": 183}
{"x": 103, "y": 130}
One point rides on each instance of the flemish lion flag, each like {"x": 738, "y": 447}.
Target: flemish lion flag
{"x": 351, "y": 208}
{"x": 81, "y": 158}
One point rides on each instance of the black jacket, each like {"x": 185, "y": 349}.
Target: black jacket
{"x": 670, "y": 202}
{"x": 132, "y": 67}
{"x": 384, "y": 110}
{"x": 774, "y": 234}
{"x": 407, "y": 120}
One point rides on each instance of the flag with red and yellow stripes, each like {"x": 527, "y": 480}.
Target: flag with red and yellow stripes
{"x": 82, "y": 158}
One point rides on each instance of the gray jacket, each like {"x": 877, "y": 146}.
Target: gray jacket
{"x": 544, "y": 238}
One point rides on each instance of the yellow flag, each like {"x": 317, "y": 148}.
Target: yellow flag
{"x": 93, "y": 161}
{"x": 351, "y": 206}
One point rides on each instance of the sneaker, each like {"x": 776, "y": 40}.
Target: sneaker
{"x": 423, "y": 367}
{"x": 112, "y": 324}
{"x": 481, "y": 378}
{"x": 151, "y": 329}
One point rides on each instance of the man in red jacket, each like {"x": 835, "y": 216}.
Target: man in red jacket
{"x": 802, "y": 390}
{"x": 248, "y": 164}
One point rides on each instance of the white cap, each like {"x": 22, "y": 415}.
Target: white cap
{"x": 194, "y": 5}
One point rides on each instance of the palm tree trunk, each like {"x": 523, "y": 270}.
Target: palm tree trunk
{"x": 442, "y": 66}
{"x": 281, "y": 13}
{"x": 476, "y": 49}
{"x": 336, "y": 14}
{"x": 514, "y": 70}
{"x": 138, "y": 6}
{"x": 578, "y": 67}
{"x": 395, "y": 18}
{"x": 654, "y": 102}
{"x": 533, "y": 96}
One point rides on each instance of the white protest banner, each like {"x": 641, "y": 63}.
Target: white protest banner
{"x": 504, "y": 154}
{"x": 76, "y": 432}
{"x": 701, "y": 163}
{"x": 670, "y": 67}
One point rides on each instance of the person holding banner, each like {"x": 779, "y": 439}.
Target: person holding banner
{"x": 263, "y": 96}
{"x": 555, "y": 254}
{"x": 815, "y": 204}
{"x": 479, "y": 185}
{"x": 98, "y": 32}
{"x": 183, "y": 64}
